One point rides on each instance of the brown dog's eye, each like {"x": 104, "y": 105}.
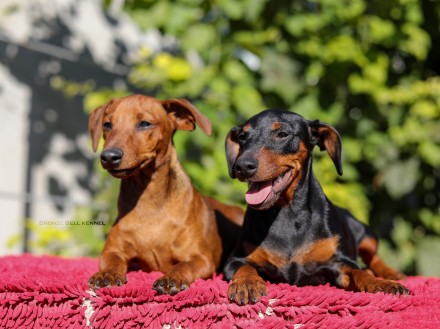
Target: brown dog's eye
{"x": 107, "y": 126}
{"x": 144, "y": 125}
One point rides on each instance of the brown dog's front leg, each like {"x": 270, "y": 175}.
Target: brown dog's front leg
{"x": 246, "y": 286}
{"x": 361, "y": 280}
{"x": 112, "y": 271}
{"x": 183, "y": 274}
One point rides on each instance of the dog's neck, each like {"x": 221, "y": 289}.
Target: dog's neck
{"x": 308, "y": 206}
{"x": 310, "y": 200}
{"x": 156, "y": 185}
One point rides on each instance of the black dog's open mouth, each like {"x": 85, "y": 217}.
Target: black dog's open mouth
{"x": 264, "y": 194}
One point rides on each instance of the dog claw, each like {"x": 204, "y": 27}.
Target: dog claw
{"x": 165, "y": 285}
{"x": 402, "y": 290}
{"x": 106, "y": 279}
{"x": 388, "y": 287}
{"x": 247, "y": 291}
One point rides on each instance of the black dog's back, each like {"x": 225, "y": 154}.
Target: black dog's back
{"x": 344, "y": 224}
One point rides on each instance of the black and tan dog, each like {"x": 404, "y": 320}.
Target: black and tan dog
{"x": 292, "y": 233}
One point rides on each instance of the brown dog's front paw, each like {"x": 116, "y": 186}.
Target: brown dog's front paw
{"x": 387, "y": 286}
{"x": 106, "y": 278}
{"x": 170, "y": 285}
{"x": 247, "y": 290}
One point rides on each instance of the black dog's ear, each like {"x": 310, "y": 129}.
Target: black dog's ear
{"x": 232, "y": 149}
{"x": 327, "y": 138}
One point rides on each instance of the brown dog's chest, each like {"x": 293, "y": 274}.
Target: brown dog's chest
{"x": 154, "y": 242}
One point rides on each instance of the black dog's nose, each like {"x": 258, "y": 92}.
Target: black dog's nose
{"x": 246, "y": 167}
{"x": 111, "y": 157}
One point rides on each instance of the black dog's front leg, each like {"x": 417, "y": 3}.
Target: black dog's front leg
{"x": 246, "y": 285}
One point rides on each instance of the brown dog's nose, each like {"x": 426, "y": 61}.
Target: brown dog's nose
{"x": 111, "y": 158}
{"x": 246, "y": 168}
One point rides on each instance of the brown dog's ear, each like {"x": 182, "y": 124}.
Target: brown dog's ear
{"x": 327, "y": 138}
{"x": 232, "y": 149}
{"x": 185, "y": 115}
{"x": 95, "y": 124}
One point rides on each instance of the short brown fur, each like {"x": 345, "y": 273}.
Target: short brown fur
{"x": 162, "y": 222}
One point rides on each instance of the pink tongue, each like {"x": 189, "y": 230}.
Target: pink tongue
{"x": 258, "y": 192}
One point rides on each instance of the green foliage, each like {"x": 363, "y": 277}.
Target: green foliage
{"x": 362, "y": 66}
{"x": 59, "y": 239}
{"x": 428, "y": 250}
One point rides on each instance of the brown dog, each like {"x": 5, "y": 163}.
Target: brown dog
{"x": 163, "y": 222}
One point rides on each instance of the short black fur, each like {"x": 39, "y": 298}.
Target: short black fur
{"x": 289, "y": 225}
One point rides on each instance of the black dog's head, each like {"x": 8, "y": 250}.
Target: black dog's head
{"x": 270, "y": 151}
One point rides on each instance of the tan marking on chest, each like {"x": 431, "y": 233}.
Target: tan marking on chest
{"x": 263, "y": 257}
{"x": 318, "y": 251}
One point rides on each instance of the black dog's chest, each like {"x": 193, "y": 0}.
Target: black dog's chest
{"x": 296, "y": 254}
{"x": 302, "y": 274}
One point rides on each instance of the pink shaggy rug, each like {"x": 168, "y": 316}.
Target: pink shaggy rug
{"x": 52, "y": 292}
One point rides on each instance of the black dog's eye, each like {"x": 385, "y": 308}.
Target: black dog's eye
{"x": 282, "y": 135}
{"x": 107, "y": 126}
{"x": 144, "y": 125}
{"x": 242, "y": 137}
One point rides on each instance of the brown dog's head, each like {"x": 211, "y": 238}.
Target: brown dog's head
{"x": 138, "y": 130}
{"x": 270, "y": 152}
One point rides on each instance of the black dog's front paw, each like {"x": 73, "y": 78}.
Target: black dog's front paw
{"x": 387, "y": 286}
{"x": 247, "y": 290}
{"x": 106, "y": 278}
{"x": 170, "y": 284}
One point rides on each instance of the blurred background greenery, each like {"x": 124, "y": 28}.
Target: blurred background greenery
{"x": 369, "y": 68}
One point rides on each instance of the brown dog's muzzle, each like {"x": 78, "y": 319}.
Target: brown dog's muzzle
{"x": 111, "y": 158}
